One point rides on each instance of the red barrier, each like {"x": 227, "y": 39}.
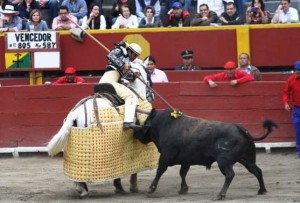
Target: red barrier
{"x": 31, "y": 115}
{"x": 213, "y": 45}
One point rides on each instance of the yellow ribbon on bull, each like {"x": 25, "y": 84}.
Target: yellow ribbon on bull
{"x": 91, "y": 155}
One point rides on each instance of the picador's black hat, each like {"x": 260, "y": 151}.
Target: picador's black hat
{"x": 187, "y": 54}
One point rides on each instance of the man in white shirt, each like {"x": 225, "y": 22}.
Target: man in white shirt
{"x": 285, "y": 13}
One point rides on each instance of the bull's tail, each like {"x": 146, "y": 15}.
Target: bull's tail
{"x": 268, "y": 126}
{"x": 57, "y": 143}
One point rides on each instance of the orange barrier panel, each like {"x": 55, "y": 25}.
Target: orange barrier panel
{"x": 31, "y": 115}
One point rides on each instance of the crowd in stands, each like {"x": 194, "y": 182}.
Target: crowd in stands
{"x": 22, "y": 14}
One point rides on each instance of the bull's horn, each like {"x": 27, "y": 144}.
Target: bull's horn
{"x": 143, "y": 111}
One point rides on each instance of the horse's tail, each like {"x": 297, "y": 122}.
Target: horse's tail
{"x": 57, "y": 143}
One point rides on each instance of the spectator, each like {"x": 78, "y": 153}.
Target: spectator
{"x": 94, "y": 18}
{"x": 116, "y": 9}
{"x": 156, "y": 74}
{"x": 3, "y": 3}
{"x": 217, "y": 5}
{"x": 64, "y": 20}
{"x": 35, "y": 21}
{"x": 99, "y": 2}
{"x": 126, "y": 20}
{"x": 141, "y": 5}
{"x": 77, "y": 8}
{"x": 25, "y": 8}
{"x": 231, "y": 16}
{"x": 186, "y": 4}
{"x": 150, "y": 20}
{"x": 70, "y": 77}
{"x": 248, "y": 68}
{"x": 53, "y": 5}
{"x": 256, "y": 13}
{"x": 291, "y": 100}
{"x": 205, "y": 16}
{"x": 285, "y": 13}
{"x": 177, "y": 17}
{"x": 10, "y": 21}
{"x": 230, "y": 74}
{"x": 187, "y": 59}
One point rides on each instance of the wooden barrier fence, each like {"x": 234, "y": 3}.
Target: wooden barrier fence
{"x": 31, "y": 115}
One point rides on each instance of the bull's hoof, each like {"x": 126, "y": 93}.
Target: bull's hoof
{"x": 183, "y": 190}
{"x": 262, "y": 191}
{"x": 151, "y": 189}
{"x": 134, "y": 189}
{"x": 219, "y": 197}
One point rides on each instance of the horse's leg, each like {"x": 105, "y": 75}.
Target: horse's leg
{"x": 118, "y": 186}
{"x": 82, "y": 189}
{"x": 133, "y": 183}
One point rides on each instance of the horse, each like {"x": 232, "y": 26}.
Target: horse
{"x": 80, "y": 116}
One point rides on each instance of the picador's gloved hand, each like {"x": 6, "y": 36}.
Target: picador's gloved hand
{"x": 129, "y": 75}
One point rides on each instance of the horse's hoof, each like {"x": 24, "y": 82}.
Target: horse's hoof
{"x": 120, "y": 191}
{"x": 151, "y": 189}
{"x": 134, "y": 189}
{"x": 183, "y": 190}
{"x": 262, "y": 192}
{"x": 83, "y": 194}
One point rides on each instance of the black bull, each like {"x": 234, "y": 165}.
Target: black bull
{"x": 192, "y": 141}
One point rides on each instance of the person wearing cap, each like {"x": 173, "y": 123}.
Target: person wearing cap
{"x": 187, "y": 60}
{"x": 230, "y": 74}
{"x": 10, "y": 21}
{"x": 140, "y": 6}
{"x": 291, "y": 101}
{"x": 119, "y": 65}
{"x": 177, "y": 17}
{"x": 70, "y": 77}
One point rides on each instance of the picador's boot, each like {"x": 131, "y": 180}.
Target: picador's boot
{"x": 131, "y": 125}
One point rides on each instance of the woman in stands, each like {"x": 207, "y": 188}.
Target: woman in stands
{"x": 35, "y": 22}
{"x": 116, "y": 8}
{"x": 94, "y": 18}
{"x": 256, "y": 13}
{"x": 126, "y": 19}
{"x": 25, "y": 8}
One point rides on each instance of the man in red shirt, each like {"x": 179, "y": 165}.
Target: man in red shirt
{"x": 291, "y": 100}
{"x": 70, "y": 77}
{"x": 230, "y": 74}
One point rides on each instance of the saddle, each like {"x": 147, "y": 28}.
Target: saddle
{"x": 108, "y": 91}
